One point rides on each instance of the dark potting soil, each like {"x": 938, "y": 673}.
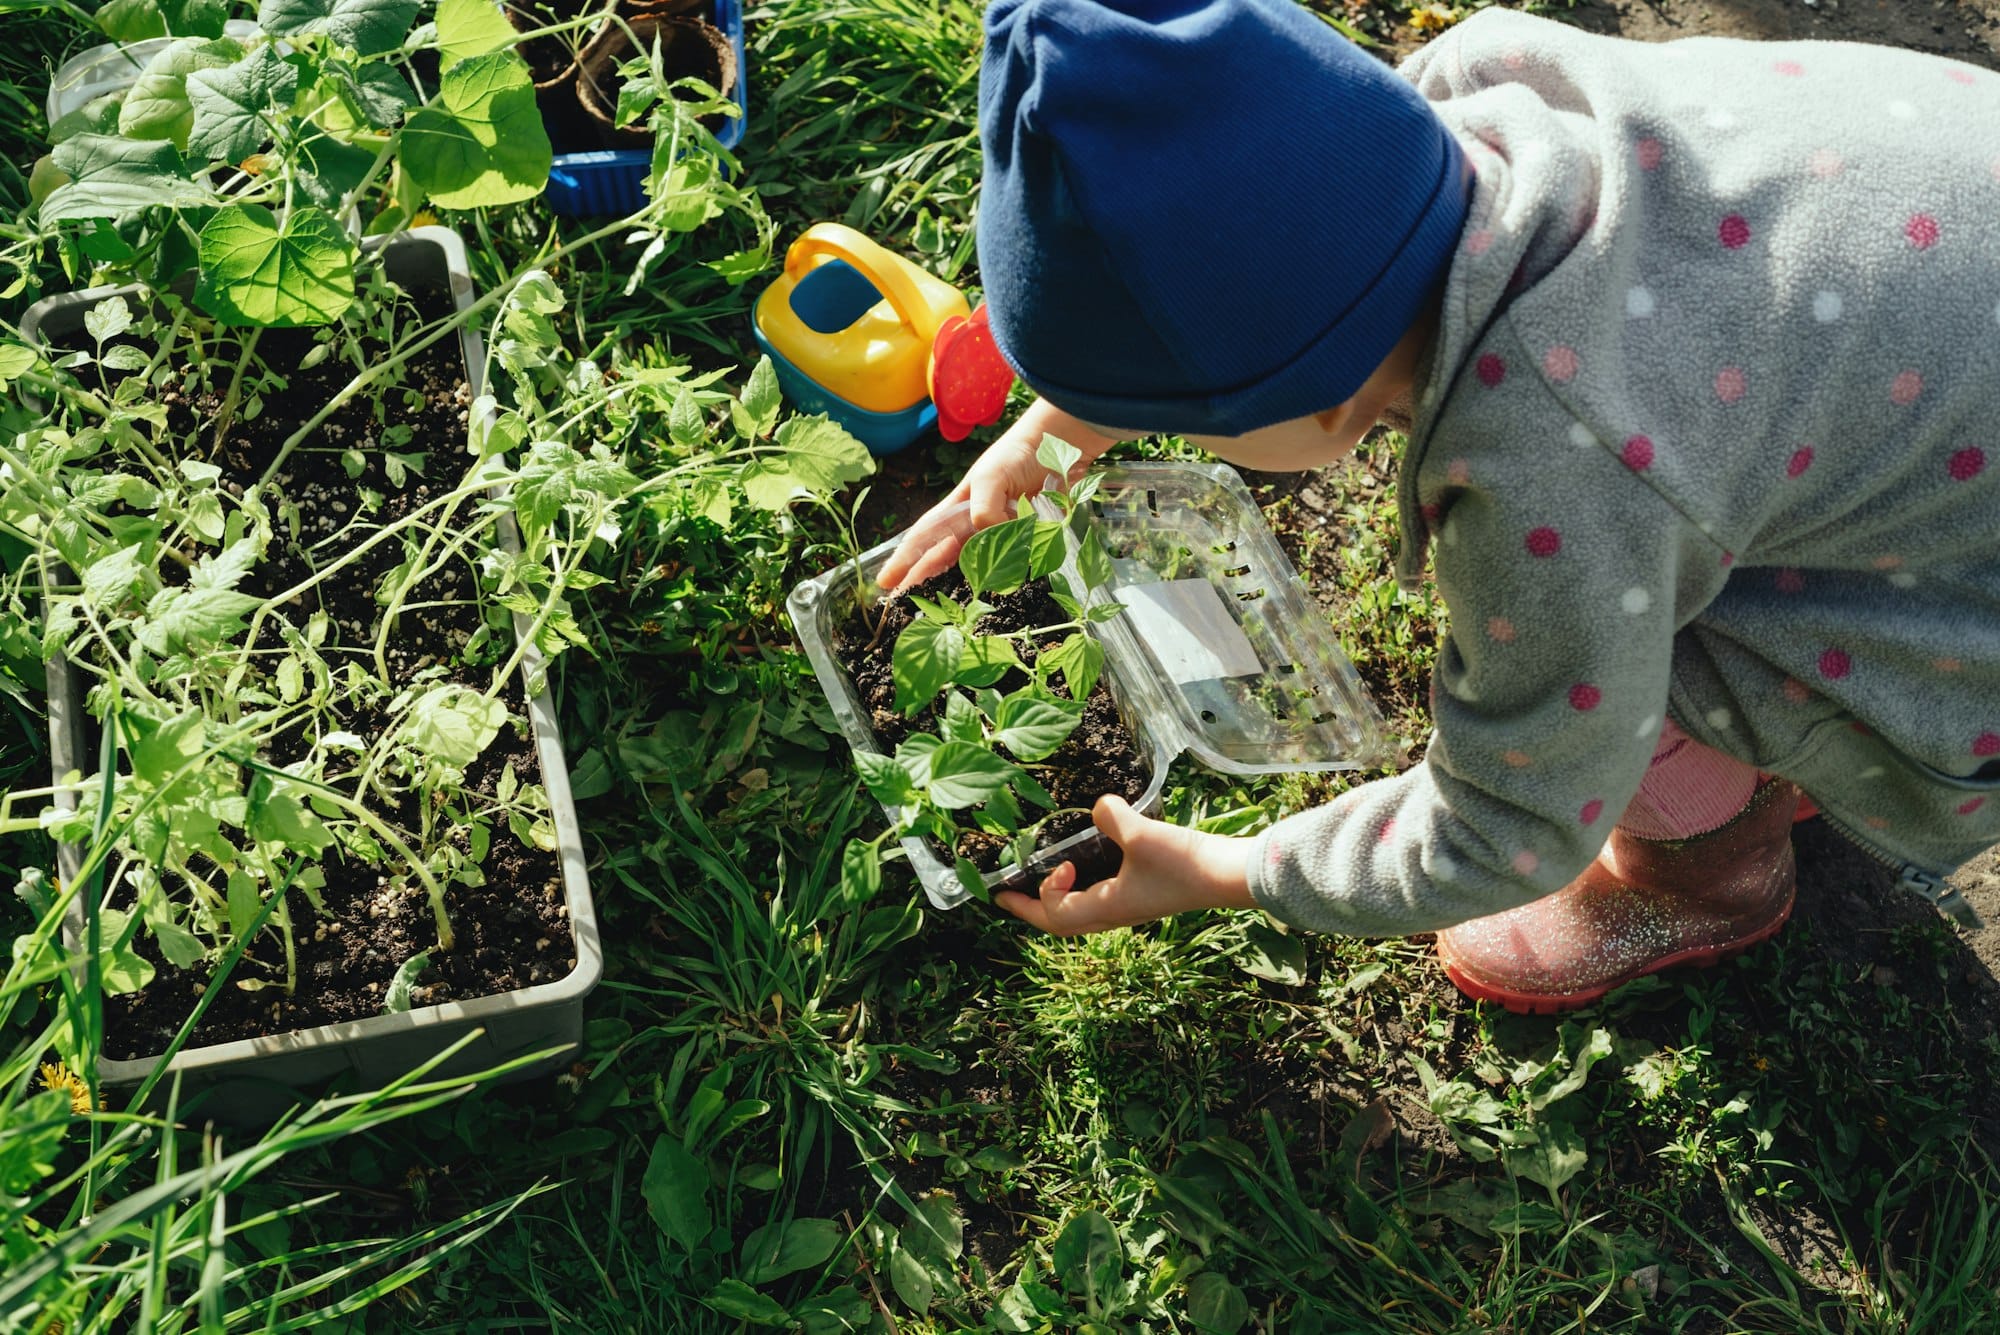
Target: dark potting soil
{"x": 513, "y": 931}
{"x": 1100, "y": 757}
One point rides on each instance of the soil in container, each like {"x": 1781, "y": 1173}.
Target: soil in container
{"x": 513, "y": 931}
{"x": 1101, "y": 756}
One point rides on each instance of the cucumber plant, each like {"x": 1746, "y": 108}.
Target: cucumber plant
{"x": 976, "y": 770}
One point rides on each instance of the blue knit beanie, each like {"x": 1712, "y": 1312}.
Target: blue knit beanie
{"x": 1203, "y": 216}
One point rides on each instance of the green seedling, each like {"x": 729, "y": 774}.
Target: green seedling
{"x": 981, "y": 759}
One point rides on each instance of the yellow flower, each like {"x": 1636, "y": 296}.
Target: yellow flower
{"x": 423, "y": 218}
{"x": 1433, "y": 18}
{"x": 57, "y": 1075}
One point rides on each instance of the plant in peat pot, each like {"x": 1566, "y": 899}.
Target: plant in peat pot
{"x": 988, "y": 743}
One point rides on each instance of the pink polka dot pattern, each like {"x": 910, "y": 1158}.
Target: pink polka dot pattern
{"x": 1801, "y": 460}
{"x": 1500, "y": 630}
{"x": 1432, "y": 512}
{"x": 1649, "y": 152}
{"x": 1970, "y": 805}
{"x": 1878, "y": 822}
{"x": 1922, "y": 230}
{"x": 1860, "y": 729}
{"x": 1591, "y": 811}
{"x": 1584, "y": 697}
{"x": 1835, "y": 664}
{"x": 1825, "y": 164}
{"x": 1963, "y": 77}
{"x": 1967, "y": 464}
{"x": 1458, "y": 473}
{"x": 1733, "y": 232}
{"x": 1478, "y": 241}
{"x": 1790, "y": 580}
{"x": 1728, "y": 560}
{"x": 1796, "y": 691}
{"x": 1560, "y": 363}
{"x": 1790, "y": 69}
{"x": 1906, "y": 387}
{"x": 1637, "y": 454}
{"x": 1986, "y": 744}
{"x": 1388, "y": 828}
{"x": 1517, "y": 759}
{"x": 1731, "y": 384}
{"x": 1526, "y": 863}
{"x": 1492, "y": 370}
{"x": 1544, "y": 542}
{"x": 1274, "y": 854}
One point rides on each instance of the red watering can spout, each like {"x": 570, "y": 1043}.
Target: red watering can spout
{"x": 969, "y": 378}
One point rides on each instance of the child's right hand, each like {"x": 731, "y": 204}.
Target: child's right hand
{"x": 1007, "y": 471}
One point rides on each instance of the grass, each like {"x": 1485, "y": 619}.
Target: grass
{"x": 792, "y": 1109}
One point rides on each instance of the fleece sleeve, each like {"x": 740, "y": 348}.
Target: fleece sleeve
{"x": 1566, "y": 577}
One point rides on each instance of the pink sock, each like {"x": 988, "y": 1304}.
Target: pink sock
{"x": 1689, "y": 789}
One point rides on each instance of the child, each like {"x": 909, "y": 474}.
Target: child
{"x": 1696, "y": 346}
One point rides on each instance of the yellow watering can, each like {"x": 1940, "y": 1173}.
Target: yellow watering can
{"x": 853, "y": 332}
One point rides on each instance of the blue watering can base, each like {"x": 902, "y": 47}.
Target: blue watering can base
{"x": 882, "y": 433}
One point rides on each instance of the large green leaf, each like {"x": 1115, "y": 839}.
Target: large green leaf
{"x": 195, "y": 18}
{"x": 257, "y": 270}
{"x": 185, "y": 615}
{"x": 817, "y": 457}
{"x": 127, "y": 21}
{"x": 777, "y": 1250}
{"x": 157, "y": 105}
{"x": 230, "y": 107}
{"x": 481, "y": 142}
{"x": 676, "y": 1192}
{"x": 111, "y": 176}
{"x": 367, "y": 26}
{"x": 468, "y": 28}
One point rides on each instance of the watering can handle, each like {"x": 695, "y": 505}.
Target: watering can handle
{"x": 877, "y": 265}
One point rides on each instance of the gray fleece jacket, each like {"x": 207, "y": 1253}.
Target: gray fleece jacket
{"x": 1711, "y": 430}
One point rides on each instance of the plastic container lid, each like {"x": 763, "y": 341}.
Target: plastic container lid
{"x": 1218, "y": 630}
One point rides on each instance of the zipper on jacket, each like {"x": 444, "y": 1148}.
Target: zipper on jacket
{"x": 1942, "y": 894}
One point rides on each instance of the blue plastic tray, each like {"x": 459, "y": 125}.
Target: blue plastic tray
{"x": 612, "y": 181}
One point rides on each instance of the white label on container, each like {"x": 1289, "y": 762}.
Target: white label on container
{"x": 1189, "y": 629}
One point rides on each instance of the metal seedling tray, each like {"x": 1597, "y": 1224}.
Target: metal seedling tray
{"x": 258, "y": 1077}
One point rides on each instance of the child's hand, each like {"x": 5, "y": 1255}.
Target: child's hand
{"x": 1007, "y": 471}
{"x": 1167, "y": 869}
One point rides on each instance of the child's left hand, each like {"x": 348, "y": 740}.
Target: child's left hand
{"x": 1167, "y": 869}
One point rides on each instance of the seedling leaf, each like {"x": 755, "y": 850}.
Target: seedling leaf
{"x": 926, "y": 658}
{"x": 964, "y": 774}
{"x": 998, "y": 559}
{"x": 396, "y": 1000}
{"x": 453, "y": 724}
{"x": 1033, "y": 726}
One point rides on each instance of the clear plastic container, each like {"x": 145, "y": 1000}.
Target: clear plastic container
{"x": 1221, "y": 652}
{"x": 112, "y": 68}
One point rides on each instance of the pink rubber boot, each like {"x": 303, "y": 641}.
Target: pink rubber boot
{"x": 1646, "y": 903}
